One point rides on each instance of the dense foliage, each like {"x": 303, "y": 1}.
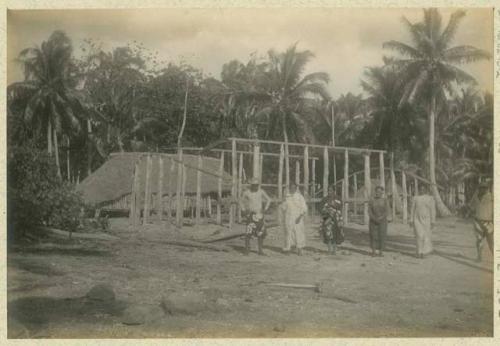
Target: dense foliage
{"x": 82, "y": 109}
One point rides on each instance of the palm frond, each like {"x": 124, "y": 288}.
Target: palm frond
{"x": 465, "y": 54}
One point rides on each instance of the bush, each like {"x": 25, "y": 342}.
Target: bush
{"x": 35, "y": 194}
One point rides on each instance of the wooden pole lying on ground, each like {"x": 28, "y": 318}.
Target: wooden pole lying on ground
{"x": 306, "y": 173}
{"x": 326, "y": 170}
{"x": 159, "y": 195}
{"x": 394, "y": 188}
{"x": 240, "y": 184}
{"x": 382, "y": 169}
{"x": 180, "y": 204}
{"x": 280, "y": 172}
{"x": 368, "y": 187}
{"x": 234, "y": 173}
{"x": 133, "y": 196}
{"x": 219, "y": 190}
{"x": 405, "y": 197}
{"x": 198, "y": 190}
{"x": 147, "y": 191}
{"x": 346, "y": 187}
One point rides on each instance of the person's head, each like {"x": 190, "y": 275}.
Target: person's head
{"x": 379, "y": 191}
{"x": 293, "y": 187}
{"x": 254, "y": 184}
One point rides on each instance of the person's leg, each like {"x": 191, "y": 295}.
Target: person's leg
{"x": 247, "y": 244}
{"x": 371, "y": 231}
{"x": 382, "y": 232}
{"x": 260, "y": 245}
{"x": 479, "y": 248}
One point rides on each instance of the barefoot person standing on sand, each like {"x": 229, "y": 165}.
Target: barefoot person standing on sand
{"x": 422, "y": 219}
{"x": 331, "y": 225}
{"x": 251, "y": 205}
{"x": 378, "y": 210}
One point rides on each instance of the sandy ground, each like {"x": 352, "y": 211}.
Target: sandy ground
{"x": 447, "y": 294}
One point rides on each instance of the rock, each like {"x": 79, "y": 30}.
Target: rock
{"x": 101, "y": 292}
{"x": 141, "y": 314}
{"x": 188, "y": 303}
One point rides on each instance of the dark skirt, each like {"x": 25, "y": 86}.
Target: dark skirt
{"x": 255, "y": 226}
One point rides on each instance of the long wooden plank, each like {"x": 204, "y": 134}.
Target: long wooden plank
{"x": 256, "y": 161}
{"x": 180, "y": 203}
{"x": 368, "y": 187}
{"x": 234, "y": 174}
{"x": 219, "y": 190}
{"x": 394, "y": 188}
{"x": 159, "y": 195}
{"x": 382, "y": 170}
{"x": 306, "y": 172}
{"x": 280, "y": 172}
{"x": 240, "y": 184}
{"x": 405, "y": 197}
{"x": 133, "y": 196}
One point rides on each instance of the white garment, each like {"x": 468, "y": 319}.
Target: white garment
{"x": 294, "y": 206}
{"x": 252, "y": 201}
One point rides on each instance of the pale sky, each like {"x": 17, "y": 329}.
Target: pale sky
{"x": 344, "y": 41}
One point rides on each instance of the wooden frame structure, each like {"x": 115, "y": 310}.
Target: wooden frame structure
{"x": 239, "y": 156}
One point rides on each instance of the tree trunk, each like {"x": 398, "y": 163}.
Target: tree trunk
{"x": 56, "y": 151}
{"x": 442, "y": 209}
{"x": 287, "y": 159}
{"x": 68, "y": 168}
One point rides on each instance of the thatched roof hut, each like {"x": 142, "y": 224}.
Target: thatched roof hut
{"x": 114, "y": 179}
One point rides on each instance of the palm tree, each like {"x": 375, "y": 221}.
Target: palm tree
{"x": 50, "y": 79}
{"x": 428, "y": 66}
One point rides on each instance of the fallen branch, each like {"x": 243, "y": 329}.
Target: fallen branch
{"x": 224, "y": 237}
{"x": 315, "y": 287}
{"x": 195, "y": 244}
{"x": 77, "y": 235}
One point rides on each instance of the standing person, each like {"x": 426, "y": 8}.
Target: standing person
{"x": 331, "y": 226}
{"x": 294, "y": 210}
{"x": 378, "y": 210}
{"x": 251, "y": 205}
{"x": 483, "y": 218}
{"x": 422, "y": 219}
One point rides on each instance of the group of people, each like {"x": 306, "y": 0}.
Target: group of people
{"x": 293, "y": 209}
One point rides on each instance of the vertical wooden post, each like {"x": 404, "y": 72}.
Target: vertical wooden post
{"x": 382, "y": 169}
{"x": 334, "y": 171}
{"x": 346, "y": 187}
{"x": 209, "y": 201}
{"x": 147, "y": 191}
{"x": 280, "y": 172}
{"x": 287, "y": 166}
{"x": 306, "y": 173}
{"x": 261, "y": 167}
{"x": 394, "y": 188}
{"x": 368, "y": 187}
{"x": 180, "y": 204}
{"x": 198, "y": 190}
{"x": 313, "y": 188}
{"x": 240, "y": 184}
{"x": 187, "y": 201}
{"x": 405, "y": 197}
{"x": 256, "y": 161}
{"x": 234, "y": 173}
{"x": 326, "y": 169}
{"x": 133, "y": 196}
{"x": 297, "y": 173}
{"x": 219, "y": 191}
{"x": 159, "y": 193}
{"x": 415, "y": 180}
{"x": 170, "y": 192}
{"x": 355, "y": 193}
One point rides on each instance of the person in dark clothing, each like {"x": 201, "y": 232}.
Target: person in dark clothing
{"x": 378, "y": 210}
{"x": 331, "y": 226}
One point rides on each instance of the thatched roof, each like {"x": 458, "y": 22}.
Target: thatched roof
{"x": 114, "y": 179}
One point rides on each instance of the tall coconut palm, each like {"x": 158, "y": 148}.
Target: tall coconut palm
{"x": 428, "y": 65}
{"x": 50, "y": 78}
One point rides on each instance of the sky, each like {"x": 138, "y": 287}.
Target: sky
{"x": 344, "y": 41}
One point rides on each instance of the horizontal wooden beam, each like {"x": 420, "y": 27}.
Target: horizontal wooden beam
{"x": 329, "y": 147}
{"x": 242, "y": 152}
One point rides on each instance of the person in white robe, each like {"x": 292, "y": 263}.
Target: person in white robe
{"x": 294, "y": 210}
{"x": 422, "y": 218}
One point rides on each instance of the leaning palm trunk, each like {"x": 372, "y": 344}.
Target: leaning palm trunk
{"x": 441, "y": 207}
